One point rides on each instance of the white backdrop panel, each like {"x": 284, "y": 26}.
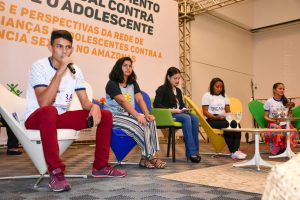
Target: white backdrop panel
{"x": 25, "y": 28}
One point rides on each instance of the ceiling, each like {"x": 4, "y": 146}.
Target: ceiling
{"x": 251, "y": 15}
{"x": 259, "y": 15}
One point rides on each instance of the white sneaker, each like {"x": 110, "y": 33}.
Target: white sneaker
{"x": 241, "y": 153}
{"x": 238, "y": 156}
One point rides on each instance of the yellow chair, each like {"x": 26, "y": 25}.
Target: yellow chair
{"x": 215, "y": 136}
{"x": 235, "y": 105}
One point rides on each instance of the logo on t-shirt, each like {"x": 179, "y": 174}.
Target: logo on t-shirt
{"x": 127, "y": 97}
{"x": 69, "y": 97}
{"x": 217, "y": 109}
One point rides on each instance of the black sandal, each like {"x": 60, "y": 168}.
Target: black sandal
{"x": 13, "y": 152}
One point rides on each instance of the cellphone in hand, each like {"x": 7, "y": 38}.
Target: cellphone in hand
{"x": 90, "y": 122}
{"x": 186, "y": 110}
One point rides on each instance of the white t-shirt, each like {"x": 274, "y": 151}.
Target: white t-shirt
{"x": 216, "y": 103}
{"x": 272, "y": 106}
{"x": 41, "y": 74}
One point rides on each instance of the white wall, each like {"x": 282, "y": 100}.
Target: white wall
{"x": 221, "y": 50}
{"x": 276, "y": 59}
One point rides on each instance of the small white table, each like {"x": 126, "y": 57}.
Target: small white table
{"x": 288, "y": 151}
{"x": 257, "y": 159}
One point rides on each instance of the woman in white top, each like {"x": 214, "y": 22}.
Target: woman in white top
{"x": 273, "y": 110}
{"x": 215, "y": 104}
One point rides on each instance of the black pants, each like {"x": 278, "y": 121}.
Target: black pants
{"x": 12, "y": 141}
{"x": 232, "y": 139}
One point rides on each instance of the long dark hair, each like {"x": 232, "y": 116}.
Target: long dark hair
{"x": 284, "y": 99}
{"x": 171, "y": 72}
{"x": 117, "y": 74}
{"x": 212, "y": 84}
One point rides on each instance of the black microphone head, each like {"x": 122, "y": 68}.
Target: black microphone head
{"x": 71, "y": 68}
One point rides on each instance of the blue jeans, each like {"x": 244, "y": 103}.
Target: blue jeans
{"x": 190, "y": 127}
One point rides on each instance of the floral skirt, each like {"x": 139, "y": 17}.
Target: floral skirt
{"x": 277, "y": 140}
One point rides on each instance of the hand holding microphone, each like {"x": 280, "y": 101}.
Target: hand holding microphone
{"x": 71, "y": 68}
{"x": 67, "y": 59}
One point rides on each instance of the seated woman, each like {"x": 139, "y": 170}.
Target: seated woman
{"x": 215, "y": 104}
{"x": 121, "y": 90}
{"x": 169, "y": 96}
{"x": 272, "y": 106}
{"x": 12, "y": 140}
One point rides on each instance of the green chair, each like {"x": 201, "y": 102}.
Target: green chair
{"x": 164, "y": 119}
{"x": 296, "y": 113}
{"x": 257, "y": 110}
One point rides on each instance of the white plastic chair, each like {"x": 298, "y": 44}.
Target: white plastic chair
{"x": 12, "y": 107}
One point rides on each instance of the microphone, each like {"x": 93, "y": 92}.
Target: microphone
{"x": 71, "y": 68}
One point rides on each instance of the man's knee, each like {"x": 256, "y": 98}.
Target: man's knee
{"x": 48, "y": 113}
{"x": 106, "y": 115}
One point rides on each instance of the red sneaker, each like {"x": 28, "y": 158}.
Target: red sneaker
{"x": 57, "y": 181}
{"x": 108, "y": 171}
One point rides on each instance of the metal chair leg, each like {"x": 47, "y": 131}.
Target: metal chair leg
{"x": 173, "y": 143}
{"x": 40, "y": 178}
{"x": 169, "y": 142}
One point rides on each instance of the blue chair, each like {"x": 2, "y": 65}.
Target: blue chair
{"x": 121, "y": 143}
